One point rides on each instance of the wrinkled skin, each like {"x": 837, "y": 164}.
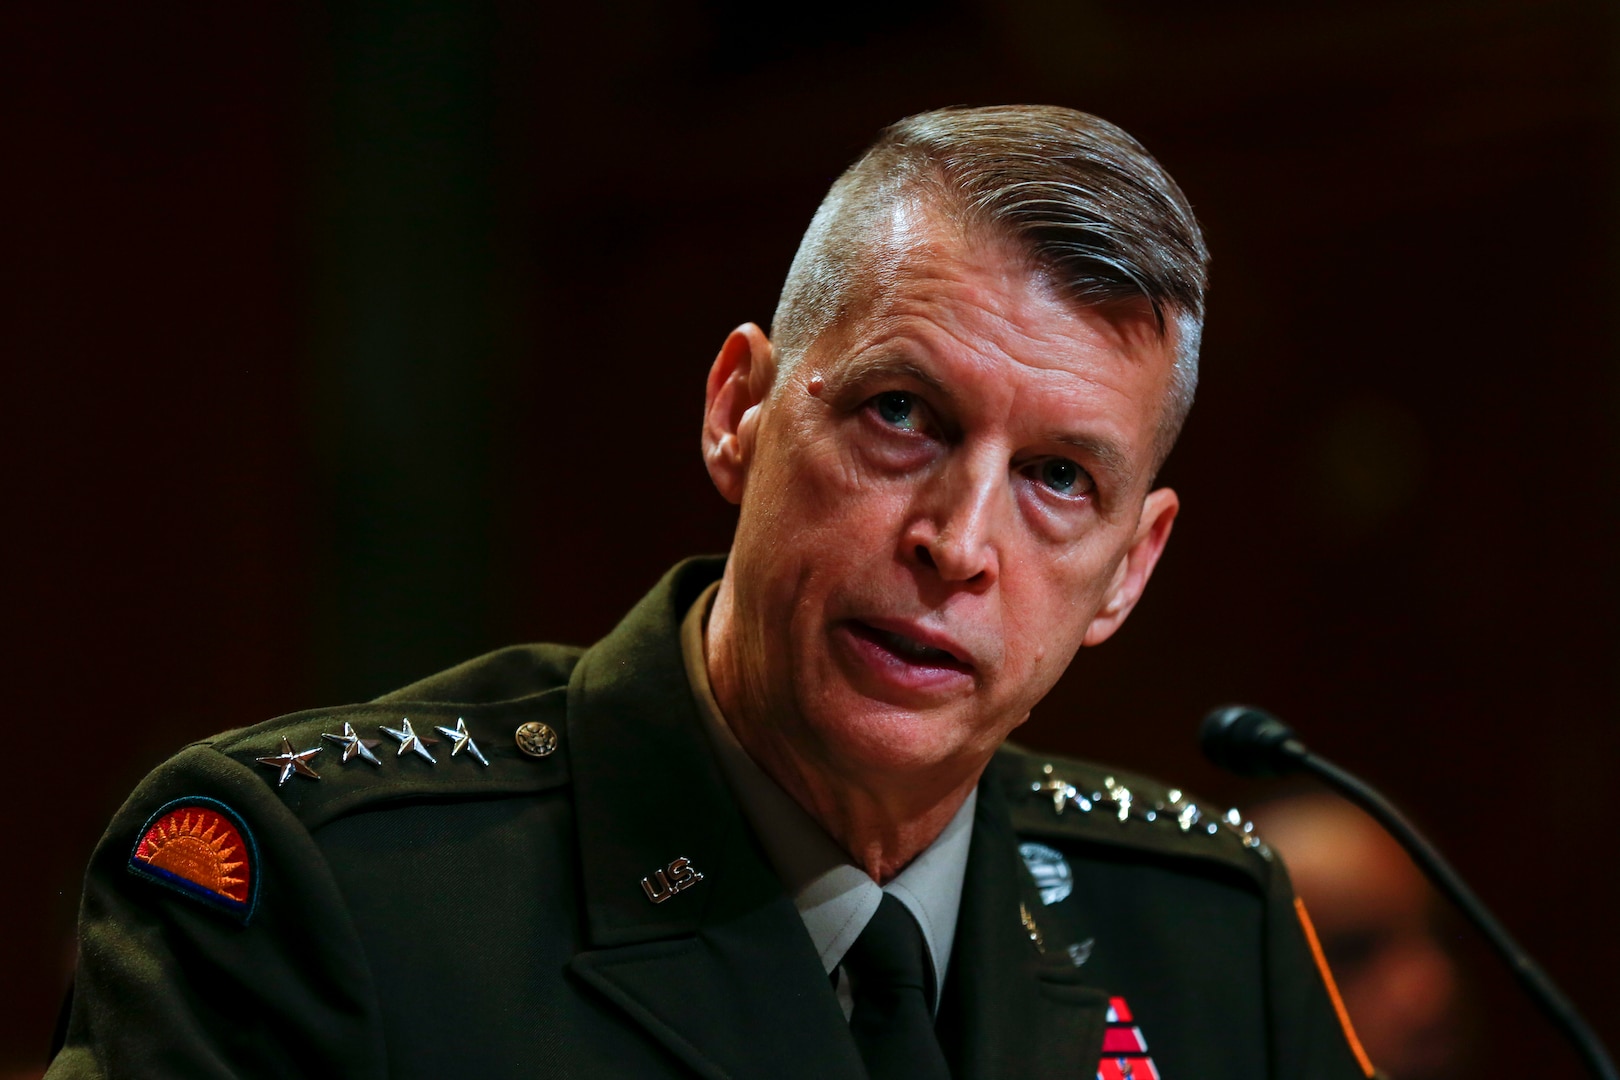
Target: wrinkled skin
{"x": 941, "y": 501}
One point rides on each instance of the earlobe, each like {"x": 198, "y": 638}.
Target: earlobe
{"x": 739, "y": 379}
{"x": 1131, "y": 576}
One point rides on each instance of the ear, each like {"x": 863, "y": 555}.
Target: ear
{"x": 738, "y": 382}
{"x": 1131, "y": 576}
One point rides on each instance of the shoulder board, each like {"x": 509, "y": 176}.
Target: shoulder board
{"x": 325, "y": 763}
{"x": 1070, "y": 799}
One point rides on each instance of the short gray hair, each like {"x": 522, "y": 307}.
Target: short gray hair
{"x": 1088, "y": 204}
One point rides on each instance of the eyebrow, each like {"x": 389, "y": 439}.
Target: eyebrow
{"x": 872, "y": 366}
{"x": 1105, "y": 453}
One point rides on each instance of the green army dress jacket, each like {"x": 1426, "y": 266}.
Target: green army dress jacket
{"x": 531, "y": 917}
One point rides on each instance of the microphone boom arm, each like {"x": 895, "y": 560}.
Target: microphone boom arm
{"x": 1557, "y": 1008}
{"x": 1252, "y": 742}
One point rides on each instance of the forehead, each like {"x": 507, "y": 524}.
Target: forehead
{"x": 931, "y": 289}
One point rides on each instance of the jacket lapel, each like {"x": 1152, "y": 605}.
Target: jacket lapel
{"x": 1011, "y": 1009}
{"x": 721, "y": 972}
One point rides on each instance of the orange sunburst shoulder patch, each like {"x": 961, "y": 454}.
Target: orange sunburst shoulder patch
{"x": 200, "y": 848}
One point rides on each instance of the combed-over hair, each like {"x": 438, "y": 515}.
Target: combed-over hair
{"x": 1089, "y": 205}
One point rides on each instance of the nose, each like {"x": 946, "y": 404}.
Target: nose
{"x": 952, "y": 530}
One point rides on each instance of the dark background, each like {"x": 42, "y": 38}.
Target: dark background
{"x": 341, "y": 344}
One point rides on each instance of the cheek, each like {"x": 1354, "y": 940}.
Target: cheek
{"x": 835, "y": 499}
{"x": 1083, "y": 577}
{"x": 1047, "y": 622}
{"x": 813, "y": 525}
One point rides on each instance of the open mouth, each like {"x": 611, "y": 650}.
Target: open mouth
{"x": 909, "y": 649}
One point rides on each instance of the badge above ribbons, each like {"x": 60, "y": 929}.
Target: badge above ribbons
{"x": 1050, "y": 870}
{"x": 200, "y": 848}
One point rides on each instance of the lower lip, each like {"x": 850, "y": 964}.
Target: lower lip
{"x": 875, "y": 662}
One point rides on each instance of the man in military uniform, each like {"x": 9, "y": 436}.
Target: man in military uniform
{"x": 769, "y": 826}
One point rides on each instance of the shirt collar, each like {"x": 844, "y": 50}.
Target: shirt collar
{"x": 834, "y": 897}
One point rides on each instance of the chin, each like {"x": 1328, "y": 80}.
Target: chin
{"x": 885, "y": 740}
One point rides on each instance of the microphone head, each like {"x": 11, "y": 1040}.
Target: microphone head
{"x": 1250, "y": 742}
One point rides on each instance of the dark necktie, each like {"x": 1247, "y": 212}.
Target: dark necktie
{"x": 892, "y": 1023}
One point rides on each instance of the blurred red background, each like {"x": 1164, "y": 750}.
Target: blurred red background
{"x": 344, "y": 343}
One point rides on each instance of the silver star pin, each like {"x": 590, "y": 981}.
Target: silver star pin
{"x": 459, "y": 739}
{"x": 353, "y": 744}
{"x": 291, "y": 761}
{"x": 409, "y": 740}
{"x": 1122, "y": 798}
{"x": 1063, "y": 793}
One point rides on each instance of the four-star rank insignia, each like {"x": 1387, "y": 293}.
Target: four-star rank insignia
{"x": 201, "y": 849}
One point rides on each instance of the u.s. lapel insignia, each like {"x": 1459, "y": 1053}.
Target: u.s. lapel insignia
{"x": 460, "y": 740}
{"x": 291, "y": 761}
{"x": 353, "y": 745}
{"x": 202, "y": 849}
{"x": 679, "y": 876}
{"x": 1124, "y": 1049}
{"x": 1050, "y": 870}
{"x": 410, "y": 740}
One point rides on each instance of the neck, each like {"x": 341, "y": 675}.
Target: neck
{"x": 880, "y": 836}
{"x": 882, "y": 818}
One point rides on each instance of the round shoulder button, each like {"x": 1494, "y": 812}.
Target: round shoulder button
{"x": 536, "y": 739}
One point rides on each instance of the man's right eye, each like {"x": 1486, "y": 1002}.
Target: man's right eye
{"x": 897, "y": 409}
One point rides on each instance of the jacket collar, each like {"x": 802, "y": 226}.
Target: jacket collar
{"x": 1010, "y": 1008}
{"x": 723, "y": 972}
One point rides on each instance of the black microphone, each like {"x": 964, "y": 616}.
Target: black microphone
{"x": 1252, "y": 742}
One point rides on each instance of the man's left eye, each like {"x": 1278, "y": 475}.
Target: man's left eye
{"x": 897, "y": 408}
{"x": 1063, "y": 476}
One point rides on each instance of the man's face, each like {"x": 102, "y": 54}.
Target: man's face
{"x": 940, "y": 503}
